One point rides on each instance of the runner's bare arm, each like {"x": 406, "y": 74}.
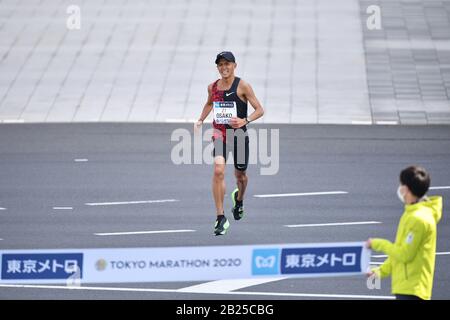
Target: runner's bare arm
{"x": 206, "y": 110}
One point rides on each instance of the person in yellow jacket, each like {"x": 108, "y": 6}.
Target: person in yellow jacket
{"x": 411, "y": 258}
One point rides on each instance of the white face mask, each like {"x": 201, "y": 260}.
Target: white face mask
{"x": 400, "y": 195}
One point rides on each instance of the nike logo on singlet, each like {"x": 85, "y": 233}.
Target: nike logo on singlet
{"x": 229, "y": 94}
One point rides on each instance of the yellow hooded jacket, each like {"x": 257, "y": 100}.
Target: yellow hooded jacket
{"x": 411, "y": 258}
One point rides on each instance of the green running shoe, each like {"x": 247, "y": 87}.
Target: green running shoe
{"x": 238, "y": 210}
{"x": 221, "y": 226}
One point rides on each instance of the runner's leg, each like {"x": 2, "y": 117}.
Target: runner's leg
{"x": 218, "y": 183}
{"x": 241, "y": 181}
{"x": 241, "y": 157}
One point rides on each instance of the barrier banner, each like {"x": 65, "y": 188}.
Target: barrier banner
{"x": 183, "y": 263}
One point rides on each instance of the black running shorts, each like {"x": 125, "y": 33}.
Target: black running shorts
{"x": 238, "y": 144}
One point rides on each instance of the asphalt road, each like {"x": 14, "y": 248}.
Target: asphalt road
{"x": 132, "y": 162}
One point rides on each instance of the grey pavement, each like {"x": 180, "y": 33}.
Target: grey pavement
{"x": 129, "y": 162}
{"x": 408, "y": 62}
{"x": 309, "y": 61}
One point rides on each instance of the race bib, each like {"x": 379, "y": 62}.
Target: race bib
{"x": 224, "y": 111}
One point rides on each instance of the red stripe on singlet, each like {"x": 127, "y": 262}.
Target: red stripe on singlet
{"x": 219, "y": 129}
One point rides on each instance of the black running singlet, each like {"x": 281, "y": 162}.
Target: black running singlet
{"x": 228, "y": 95}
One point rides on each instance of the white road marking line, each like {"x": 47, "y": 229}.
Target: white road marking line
{"x": 62, "y": 208}
{"x": 362, "y": 122}
{"x": 312, "y": 295}
{"x": 387, "y": 122}
{"x": 2, "y": 208}
{"x": 331, "y": 224}
{"x": 14, "y": 121}
{"x": 244, "y": 293}
{"x": 299, "y": 194}
{"x": 141, "y": 232}
{"x": 32, "y": 286}
{"x": 129, "y": 202}
{"x": 440, "y": 188}
{"x": 437, "y": 253}
{"x": 81, "y": 160}
{"x": 442, "y": 253}
{"x": 227, "y": 285}
{"x": 1, "y": 239}
{"x": 379, "y": 256}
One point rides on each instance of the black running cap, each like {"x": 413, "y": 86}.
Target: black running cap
{"x": 227, "y": 55}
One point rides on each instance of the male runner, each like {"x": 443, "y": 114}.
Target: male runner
{"x": 228, "y": 96}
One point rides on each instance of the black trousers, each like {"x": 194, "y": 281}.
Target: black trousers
{"x": 406, "y": 297}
